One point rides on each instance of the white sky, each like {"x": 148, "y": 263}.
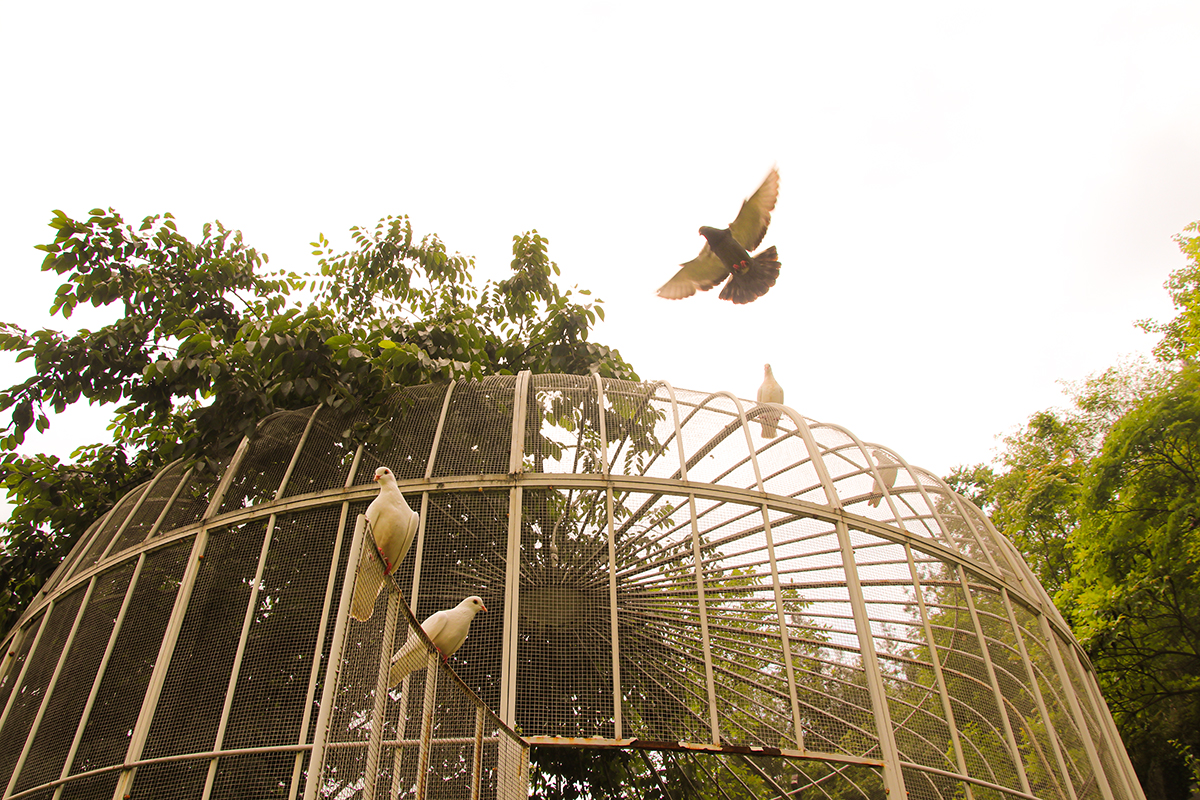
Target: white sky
{"x": 977, "y": 199}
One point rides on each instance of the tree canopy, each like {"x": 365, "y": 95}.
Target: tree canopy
{"x": 206, "y": 341}
{"x": 1136, "y": 580}
{"x": 1101, "y": 499}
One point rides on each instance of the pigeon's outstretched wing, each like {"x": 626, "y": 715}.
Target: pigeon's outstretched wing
{"x": 447, "y": 629}
{"x": 391, "y": 528}
{"x": 755, "y": 214}
{"x": 769, "y": 392}
{"x": 703, "y": 272}
{"x": 887, "y": 474}
{"x": 731, "y": 253}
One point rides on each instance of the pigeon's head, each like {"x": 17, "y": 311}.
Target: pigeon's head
{"x": 883, "y": 459}
{"x": 709, "y": 233}
{"x": 475, "y": 604}
{"x": 766, "y": 369}
{"x": 384, "y": 472}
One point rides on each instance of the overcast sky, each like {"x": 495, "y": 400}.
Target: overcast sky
{"x": 977, "y": 199}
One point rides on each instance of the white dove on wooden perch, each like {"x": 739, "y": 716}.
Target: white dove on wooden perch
{"x": 391, "y": 528}
{"x": 447, "y": 629}
{"x": 887, "y": 474}
{"x": 769, "y": 392}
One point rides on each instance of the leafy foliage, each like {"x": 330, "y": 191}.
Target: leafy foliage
{"x": 1137, "y": 574}
{"x": 1181, "y": 335}
{"x": 1101, "y": 500}
{"x": 1033, "y": 497}
{"x": 206, "y": 343}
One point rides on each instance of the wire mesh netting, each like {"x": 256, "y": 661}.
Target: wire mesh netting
{"x": 679, "y": 594}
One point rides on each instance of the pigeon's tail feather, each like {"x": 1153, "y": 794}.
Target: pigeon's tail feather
{"x": 874, "y": 501}
{"x": 367, "y": 583}
{"x": 410, "y": 658}
{"x": 754, "y": 280}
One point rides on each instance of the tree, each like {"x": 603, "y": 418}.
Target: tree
{"x": 1181, "y": 335}
{"x": 1033, "y": 498}
{"x": 1137, "y": 578}
{"x": 205, "y": 343}
{"x": 1100, "y": 499}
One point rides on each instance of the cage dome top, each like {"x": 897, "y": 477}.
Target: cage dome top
{"x": 542, "y": 428}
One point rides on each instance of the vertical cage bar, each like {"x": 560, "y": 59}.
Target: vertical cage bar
{"x": 784, "y": 639}
{"x": 512, "y": 577}
{"x": 984, "y": 651}
{"x": 431, "y": 676}
{"x": 158, "y": 675}
{"x": 516, "y": 455}
{"x": 62, "y": 658}
{"x": 129, "y": 516}
{"x": 183, "y": 596}
{"x": 613, "y": 627}
{"x": 419, "y": 556}
{"x": 316, "y": 761}
{"x": 162, "y": 515}
{"x": 235, "y": 669}
{"x": 1121, "y": 757}
{"x": 939, "y": 677}
{"x": 375, "y": 741}
{"x": 988, "y": 552}
{"x": 512, "y": 768}
{"x": 893, "y": 781}
{"x": 1060, "y": 762}
{"x": 16, "y": 637}
{"x": 291, "y": 467}
{"x": 315, "y": 671}
{"x": 512, "y": 569}
{"x": 1073, "y": 704}
{"x": 816, "y": 458}
{"x": 698, "y": 564}
{"x": 777, "y": 586}
{"x": 20, "y": 679}
{"x": 477, "y": 755}
{"x": 100, "y": 670}
{"x": 437, "y": 434}
{"x": 401, "y": 732}
{"x": 68, "y": 564}
{"x": 602, "y": 425}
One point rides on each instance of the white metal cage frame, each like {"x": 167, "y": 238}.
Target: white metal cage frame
{"x": 758, "y": 615}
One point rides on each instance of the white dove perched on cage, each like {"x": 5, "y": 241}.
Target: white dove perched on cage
{"x": 392, "y": 526}
{"x": 887, "y": 474}
{"x": 769, "y": 392}
{"x": 447, "y": 629}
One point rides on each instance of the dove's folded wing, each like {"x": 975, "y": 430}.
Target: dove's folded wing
{"x": 410, "y": 658}
{"x": 755, "y": 215}
{"x": 703, "y": 272}
{"x": 434, "y": 626}
{"x": 413, "y": 655}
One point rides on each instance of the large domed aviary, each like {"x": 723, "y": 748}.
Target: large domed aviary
{"x": 739, "y": 614}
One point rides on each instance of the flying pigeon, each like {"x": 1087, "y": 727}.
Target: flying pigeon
{"x": 727, "y": 250}
{"x": 392, "y": 526}
{"x": 447, "y": 629}
{"x": 769, "y": 392}
{"x": 887, "y": 474}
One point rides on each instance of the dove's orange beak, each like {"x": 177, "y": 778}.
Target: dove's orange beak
{"x": 482, "y": 606}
